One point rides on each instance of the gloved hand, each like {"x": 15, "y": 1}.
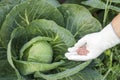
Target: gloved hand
{"x": 95, "y": 43}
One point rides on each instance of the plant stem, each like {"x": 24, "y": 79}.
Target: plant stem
{"x": 107, "y": 73}
{"x": 106, "y": 11}
{"x": 110, "y": 66}
{"x": 111, "y": 59}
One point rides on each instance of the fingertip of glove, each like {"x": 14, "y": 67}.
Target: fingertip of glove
{"x": 72, "y": 49}
{"x": 68, "y": 54}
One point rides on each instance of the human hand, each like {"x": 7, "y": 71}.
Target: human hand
{"x": 94, "y": 44}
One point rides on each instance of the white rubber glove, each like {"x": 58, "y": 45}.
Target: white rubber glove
{"x": 96, "y": 43}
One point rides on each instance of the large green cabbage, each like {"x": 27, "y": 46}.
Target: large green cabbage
{"x": 37, "y": 33}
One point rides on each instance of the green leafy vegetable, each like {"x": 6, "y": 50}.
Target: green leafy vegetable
{"x": 41, "y": 49}
{"x": 37, "y": 33}
{"x": 24, "y": 13}
{"x": 5, "y": 7}
{"x": 28, "y": 62}
{"x": 78, "y": 20}
{"x": 63, "y": 74}
{"x": 7, "y": 72}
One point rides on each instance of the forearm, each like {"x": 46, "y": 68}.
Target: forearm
{"x": 116, "y": 25}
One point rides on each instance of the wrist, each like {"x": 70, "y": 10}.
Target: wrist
{"x": 116, "y": 25}
{"x": 109, "y": 36}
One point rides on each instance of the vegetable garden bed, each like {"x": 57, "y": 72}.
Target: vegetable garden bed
{"x": 35, "y": 34}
